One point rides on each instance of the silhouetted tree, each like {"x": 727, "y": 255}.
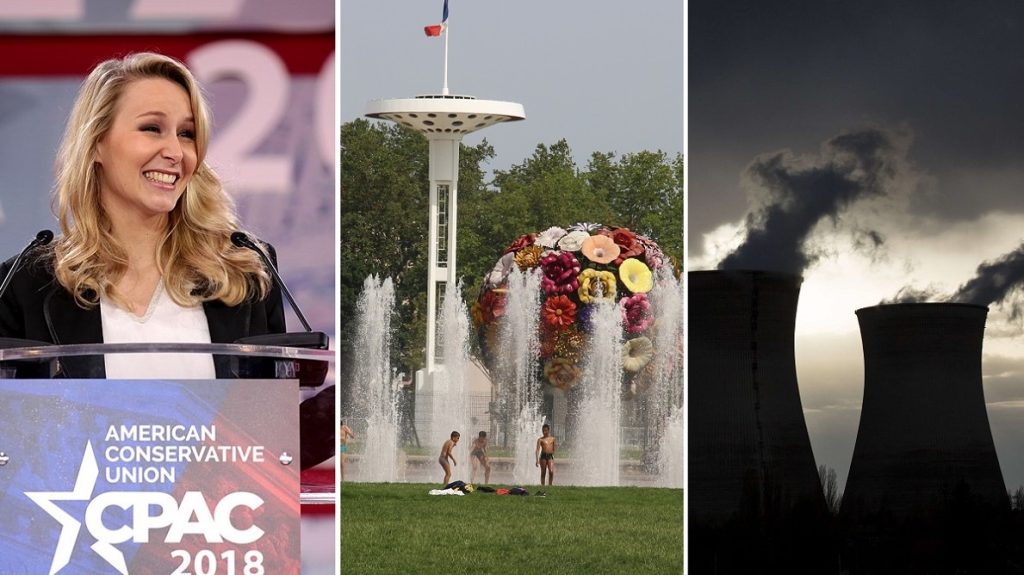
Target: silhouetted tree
{"x": 1017, "y": 499}
{"x": 830, "y": 485}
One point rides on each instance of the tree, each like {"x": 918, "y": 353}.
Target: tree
{"x": 1017, "y": 499}
{"x": 384, "y": 204}
{"x": 384, "y": 201}
{"x": 830, "y": 485}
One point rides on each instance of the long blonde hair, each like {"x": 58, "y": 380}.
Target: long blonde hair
{"x": 196, "y": 258}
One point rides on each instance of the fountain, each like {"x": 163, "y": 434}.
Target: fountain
{"x": 519, "y": 390}
{"x": 376, "y": 397}
{"x": 670, "y": 450}
{"x": 666, "y": 394}
{"x": 598, "y": 433}
{"x": 450, "y": 406}
{"x": 604, "y": 371}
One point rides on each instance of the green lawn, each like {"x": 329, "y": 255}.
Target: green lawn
{"x": 398, "y": 528}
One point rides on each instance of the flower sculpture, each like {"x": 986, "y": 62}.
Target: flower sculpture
{"x": 561, "y": 273}
{"x": 580, "y": 266}
{"x": 595, "y": 285}
{"x": 636, "y": 276}
{"x": 637, "y": 353}
{"x": 600, "y": 249}
{"x": 559, "y": 312}
{"x": 561, "y": 373}
{"x": 636, "y": 313}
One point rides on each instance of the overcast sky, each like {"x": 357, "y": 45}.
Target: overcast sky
{"x": 944, "y": 80}
{"x": 604, "y": 75}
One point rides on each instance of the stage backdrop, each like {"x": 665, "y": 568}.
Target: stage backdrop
{"x": 268, "y": 70}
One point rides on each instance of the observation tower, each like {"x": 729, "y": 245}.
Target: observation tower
{"x": 444, "y": 119}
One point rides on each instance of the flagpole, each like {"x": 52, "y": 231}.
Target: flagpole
{"x": 444, "y": 89}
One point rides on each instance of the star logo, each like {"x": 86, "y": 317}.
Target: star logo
{"x": 88, "y": 471}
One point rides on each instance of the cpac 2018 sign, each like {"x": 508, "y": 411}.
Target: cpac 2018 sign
{"x": 149, "y": 491}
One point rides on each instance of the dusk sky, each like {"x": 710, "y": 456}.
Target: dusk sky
{"x": 942, "y": 82}
{"x": 603, "y": 76}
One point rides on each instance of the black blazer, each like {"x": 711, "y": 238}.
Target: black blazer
{"x": 36, "y": 307}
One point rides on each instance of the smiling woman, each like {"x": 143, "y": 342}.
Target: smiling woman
{"x": 146, "y": 252}
{"x": 149, "y": 155}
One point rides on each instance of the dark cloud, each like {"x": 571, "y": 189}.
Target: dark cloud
{"x": 769, "y": 74}
{"x": 800, "y": 192}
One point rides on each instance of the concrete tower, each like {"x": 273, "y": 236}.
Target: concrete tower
{"x": 444, "y": 119}
{"x": 924, "y": 431}
{"x": 749, "y": 450}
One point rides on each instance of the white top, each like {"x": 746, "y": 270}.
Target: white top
{"x": 164, "y": 322}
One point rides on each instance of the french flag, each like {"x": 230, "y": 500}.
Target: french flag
{"x": 436, "y": 29}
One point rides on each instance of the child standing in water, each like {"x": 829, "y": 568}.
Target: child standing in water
{"x": 346, "y": 433}
{"x": 446, "y": 454}
{"x": 546, "y": 455}
{"x": 478, "y": 452}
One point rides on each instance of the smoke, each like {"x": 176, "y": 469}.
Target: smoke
{"x": 995, "y": 281}
{"x": 800, "y": 192}
{"x": 913, "y": 295}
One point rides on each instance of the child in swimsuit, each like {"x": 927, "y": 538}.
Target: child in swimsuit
{"x": 546, "y": 455}
{"x": 446, "y": 454}
{"x": 346, "y": 433}
{"x": 478, "y": 453}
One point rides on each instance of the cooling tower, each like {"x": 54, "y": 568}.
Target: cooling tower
{"x": 924, "y": 436}
{"x": 749, "y": 450}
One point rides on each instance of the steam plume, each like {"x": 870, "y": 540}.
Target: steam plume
{"x": 801, "y": 192}
{"x": 994, "y": 281}
{"x": 910, "y": 294}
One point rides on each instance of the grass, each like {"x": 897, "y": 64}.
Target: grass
{"x": 400, "y": 529}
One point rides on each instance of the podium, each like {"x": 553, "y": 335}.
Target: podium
{"x": 158, "y": 476}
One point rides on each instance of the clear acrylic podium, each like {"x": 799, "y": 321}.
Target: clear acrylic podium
{"x": 233, "y": 441}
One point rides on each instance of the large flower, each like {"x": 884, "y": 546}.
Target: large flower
{"x": 561, "y": 373}
{"x": 596, "y": 284}
{"x": 584, "y": 227}
{"x": 559, "y": 312}
{"x": 636, "y": 313}
{"x": 600, "y": 249}
{"x": 573, "y": 241}
{"x": 549, "y": 237}
{"x": 653, "y": 256}
{"x": 493, "y": 305}
{"x": 528, "y": 257}
{"x": 560, "y": 271}
{"x": 520, "y": 243}
{"x": 637, "y": 353}
{"x": 568, "y": 343}
{"x": 629, "y": 245}
{"x": 636, "y": 276}
{"x": 501, "y": 270}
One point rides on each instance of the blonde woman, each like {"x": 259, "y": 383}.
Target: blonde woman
{"x": 145, "y": 253}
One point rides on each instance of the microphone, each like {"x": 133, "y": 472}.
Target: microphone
{"x": 242, "y": 240}
{"x": 42, "y": 238}
{"x": 310, "y": 373}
